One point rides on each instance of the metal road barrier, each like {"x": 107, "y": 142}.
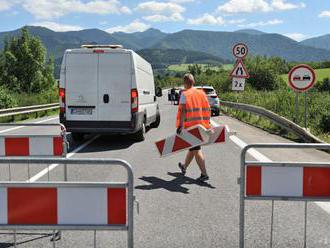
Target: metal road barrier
{"x": 284, "y": 181}
{"x": 275, "y": 118}
{"x": 17, "y": 145}
{"x": 108, "y": 205}
{"x": 28, "y": 109}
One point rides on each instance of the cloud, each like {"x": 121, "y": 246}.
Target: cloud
{"x": 50, "y": 9}
{"x": 207, "y": 19}
{"x": 176, "y": 17}
{"x": 135, "y": 26}
{"x": 7, "y": 4}
{"x": 325, "y": 13}
{"x": 249, "y": 6}
{"x": 181, "y": 1}
{"x": 296, "y": 36}
{"x": 238, "y": 6}
{"x": 282, "y": 5}
{"x": 160, "y": 7}
{"x": 261, "y": 23}
{"x": 58, "y": 27}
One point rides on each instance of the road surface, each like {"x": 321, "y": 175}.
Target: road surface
{"x": 177, "y": 211}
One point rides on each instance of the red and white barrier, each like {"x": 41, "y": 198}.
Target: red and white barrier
{"x": 62, "y": 206}
{"x": 263, "y": 181}
{"x": 192, "y": 137}
{"x": 31, "y": 146}
{"x": 188, "y": 138}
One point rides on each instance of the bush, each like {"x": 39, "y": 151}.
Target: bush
{"x": 325, "y": 122}
{"x": 6, "y": 99}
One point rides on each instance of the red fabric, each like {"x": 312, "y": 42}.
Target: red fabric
{"x": 253, "y": 180}
{"x": 32, "y": 206}
{"x": 116, "y": 206}
{"x": 17, "y": 146}
{"x": 316, "y": 182}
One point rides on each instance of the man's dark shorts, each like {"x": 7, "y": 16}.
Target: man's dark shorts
{"x": 196, "y": 148}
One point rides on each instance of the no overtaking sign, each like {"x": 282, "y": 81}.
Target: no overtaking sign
{"x": 301, "y": 78}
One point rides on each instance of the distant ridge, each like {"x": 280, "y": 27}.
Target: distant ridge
{"x": 210, "y": 43}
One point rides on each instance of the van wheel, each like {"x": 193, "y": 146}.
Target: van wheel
{"x": 77, "y": 137}
{"x": 141, "y": 134}
{"x": 157, "y": 122}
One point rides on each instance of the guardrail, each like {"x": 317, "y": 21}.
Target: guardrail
{"x": 275, "y": 118}
{"x": 28, "y": 109}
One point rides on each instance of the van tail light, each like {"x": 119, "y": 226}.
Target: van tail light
{"x": 134, "y": 101}
{"x": 62, "y": 100}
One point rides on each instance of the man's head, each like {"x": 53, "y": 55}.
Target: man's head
{"x": 188, "y": 80}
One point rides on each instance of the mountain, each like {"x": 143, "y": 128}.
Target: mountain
{"x": 140, "y": 40}
{"x": 220, "y": 44}
{"x": 318, "y": 42}
{"x": 161, "y": 48}
{"x": 161, "y": 58}
{"x": 249, "y": 31}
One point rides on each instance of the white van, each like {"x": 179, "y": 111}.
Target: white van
{"x": 106, "y": 89}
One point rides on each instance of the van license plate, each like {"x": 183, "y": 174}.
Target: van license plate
{"x": 81, "y": 111}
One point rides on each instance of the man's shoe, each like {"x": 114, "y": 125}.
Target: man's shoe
{"x": 203, "y": 178}
{"x": 183, "y": 170}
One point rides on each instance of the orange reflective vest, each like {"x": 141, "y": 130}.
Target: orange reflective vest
{"x": 198, "y": 111}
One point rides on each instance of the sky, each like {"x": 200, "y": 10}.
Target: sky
{"x": 297, "y": 19}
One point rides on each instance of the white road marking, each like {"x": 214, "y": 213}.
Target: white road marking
{"x": 262, "y": 158}
{"x": 53, "y": 166}
{"x": 19, "y": 127}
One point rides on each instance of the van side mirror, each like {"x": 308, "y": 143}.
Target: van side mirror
{"x": 159, "y": 92}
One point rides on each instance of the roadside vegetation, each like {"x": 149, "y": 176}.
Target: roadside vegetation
{"x": 26, "y": 73}
{"x": 268, "y": 88}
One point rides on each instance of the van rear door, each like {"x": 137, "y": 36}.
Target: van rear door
{"x": 81, "y": 86}
{"x": 114, "y": 83}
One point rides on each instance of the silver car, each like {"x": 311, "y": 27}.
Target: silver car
{"x": 213, "y": 99}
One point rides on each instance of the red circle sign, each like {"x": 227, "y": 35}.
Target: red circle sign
{"x": 240, "y": 50}
{"x": 302, "y": 78}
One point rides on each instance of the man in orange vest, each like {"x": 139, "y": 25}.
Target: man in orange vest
{"x": 194, "y": 109}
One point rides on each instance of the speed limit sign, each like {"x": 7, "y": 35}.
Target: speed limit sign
{"x": 240, "y": 50}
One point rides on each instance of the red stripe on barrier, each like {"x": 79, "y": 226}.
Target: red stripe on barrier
{"x": 316, "y": 182}
{"x": 253, "y": 180}
{"x": 17, "y": 146}
{"x": 196, "y": 133}
{"x": 57, "y": 146}
{"x": 32, "y": 206}
{"x": 180, "y": 144}
{"x": 116, "y": 206}
{"x": 160, "y": 146}
{"x": 222, "y": 137}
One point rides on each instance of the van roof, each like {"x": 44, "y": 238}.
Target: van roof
{"x": 92, "y": 46}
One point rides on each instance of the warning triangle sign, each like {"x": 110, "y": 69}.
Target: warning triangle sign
{"x": 239, "y": 70}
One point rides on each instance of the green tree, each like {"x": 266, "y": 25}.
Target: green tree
{"x": 23, "y": 65}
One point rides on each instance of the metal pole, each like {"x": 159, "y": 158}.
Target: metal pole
{"x": 305, "y": 226}
{"x": 242, "y": 202}
{"x": 271, "y": 225}
{"x": 296, "y": 102}
{"x": 306, "y": 109}
{"x": 130, "y": 214}
{"x": 94, "y": 238}
{"x": 15, "y": 239}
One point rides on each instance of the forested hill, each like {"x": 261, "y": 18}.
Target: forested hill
{"x": 161, "y": 58}
{"x": 216, "y": 44}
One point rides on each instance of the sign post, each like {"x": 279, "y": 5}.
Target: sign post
{"x": 239, "y": 73}
{"x": 301, "y": 79}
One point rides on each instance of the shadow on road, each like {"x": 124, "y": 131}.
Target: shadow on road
{"x": 108, "y": 143}
{"x": 174, "y": 185}
{"x": 41, "y": 236}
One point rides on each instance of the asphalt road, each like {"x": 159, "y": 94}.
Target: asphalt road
{"x": 177, "y": 211}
